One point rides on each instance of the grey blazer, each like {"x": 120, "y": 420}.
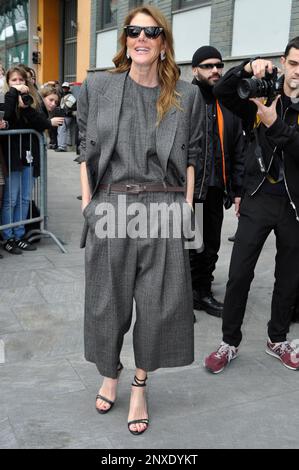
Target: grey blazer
{"x": 178, "y": 136}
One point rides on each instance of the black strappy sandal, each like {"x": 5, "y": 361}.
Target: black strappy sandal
{"x": 139, "y": 383}
{"x": 101, "y": 397}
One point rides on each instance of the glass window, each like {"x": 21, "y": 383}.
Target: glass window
{"x": 14, "y": 32}
{"x": 70, "y": 40}
{"x": 107, "y": 14}
{"x": 187, "y": 35}
{"x": 271, "y": 27}
{"x": 106, "y": 48}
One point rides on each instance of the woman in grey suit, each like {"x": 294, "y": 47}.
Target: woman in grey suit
{"x": 140, "y": 129}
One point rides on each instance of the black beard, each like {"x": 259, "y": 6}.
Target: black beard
{"x": 204, "y": 82}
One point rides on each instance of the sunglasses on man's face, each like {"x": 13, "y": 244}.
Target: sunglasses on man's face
{"x": 151, "y": 32}
{"x": 219, "y": 65}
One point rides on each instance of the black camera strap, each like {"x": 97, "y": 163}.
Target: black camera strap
{"x": 258, "y": 152}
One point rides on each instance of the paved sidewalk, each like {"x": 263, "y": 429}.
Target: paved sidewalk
{"x": 47, "y": 389}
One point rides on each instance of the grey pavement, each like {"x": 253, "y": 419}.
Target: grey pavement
{"x": 47, "y": 389}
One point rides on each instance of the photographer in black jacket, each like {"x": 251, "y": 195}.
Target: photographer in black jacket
{"x": 271, "y": 202}
{"x": 22, "y": 156}
{"x": 221, "y": 180}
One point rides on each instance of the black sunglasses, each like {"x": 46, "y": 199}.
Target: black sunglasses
{"x": 151, "y": 32}
{"x": 219, "y": 65}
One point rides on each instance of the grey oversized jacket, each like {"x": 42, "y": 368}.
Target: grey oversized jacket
{"x": 178, "y": 135}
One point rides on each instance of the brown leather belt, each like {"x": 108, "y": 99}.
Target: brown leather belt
{"x": 141, "y": 188}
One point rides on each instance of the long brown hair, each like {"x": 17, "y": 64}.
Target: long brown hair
{"x": 168, "y": 72}
{"x": 21, "y": 71}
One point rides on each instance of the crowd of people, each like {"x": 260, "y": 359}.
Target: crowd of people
{"x": 24, "y": 105}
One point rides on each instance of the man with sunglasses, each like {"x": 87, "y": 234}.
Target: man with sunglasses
{"x": 220, "y": 182}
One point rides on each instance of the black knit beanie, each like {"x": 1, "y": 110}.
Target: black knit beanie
{"x": 203, "y": 53}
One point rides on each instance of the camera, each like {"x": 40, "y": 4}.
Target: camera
{"x": 58, "y": 112}
{"x": 267, "y": 87}
{"x": 27, "y": 99}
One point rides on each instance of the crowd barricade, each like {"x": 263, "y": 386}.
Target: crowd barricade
{"x": 38, "y": 209}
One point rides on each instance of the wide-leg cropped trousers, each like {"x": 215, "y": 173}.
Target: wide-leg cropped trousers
{"x": 154, "y": 272}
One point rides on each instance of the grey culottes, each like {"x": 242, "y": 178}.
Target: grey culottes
{"x": 153, "y": 271}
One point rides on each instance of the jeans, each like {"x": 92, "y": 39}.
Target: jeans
{"x": 16, "y": 201}
{"x": 64, "y": 137}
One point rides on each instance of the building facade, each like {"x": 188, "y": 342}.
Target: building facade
{"x": 52, "y": 36}
{"x": 66, "y": 38}
{"x": 238, "y": 28}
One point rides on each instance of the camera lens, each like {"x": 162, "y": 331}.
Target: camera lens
{"x": 27, "y": 99}
{"x": 247, "y": 88}
{"x": 267, "y": 87}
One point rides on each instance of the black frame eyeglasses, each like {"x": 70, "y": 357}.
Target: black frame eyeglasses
{"x": 218, "y": 65}
{"x": 151, "y": 32}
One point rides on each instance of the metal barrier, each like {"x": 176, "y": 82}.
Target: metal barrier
{"x": 39, "y": 192}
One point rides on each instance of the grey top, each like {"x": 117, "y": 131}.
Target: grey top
{"x": 135, "y": 159}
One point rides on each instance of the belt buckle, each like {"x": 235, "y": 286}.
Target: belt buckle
{"x": 134, "y": 188}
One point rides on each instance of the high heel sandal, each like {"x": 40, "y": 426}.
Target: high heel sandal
{"x": 101, "y": 397}
{"x": 139, "y": 383}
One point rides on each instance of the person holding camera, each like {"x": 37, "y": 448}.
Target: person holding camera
{"x": 57, "y": 112}
{"x": 270, "y": 114}
{"x": 21, "y": 156}
{"x": 221, "y": 181}
{"x": 50, "y": 102}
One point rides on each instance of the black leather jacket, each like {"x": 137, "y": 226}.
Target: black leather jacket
{"x": 282, "y": 137}
{"x": 233, "y": 150}
{"x": 28, "y": 118}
